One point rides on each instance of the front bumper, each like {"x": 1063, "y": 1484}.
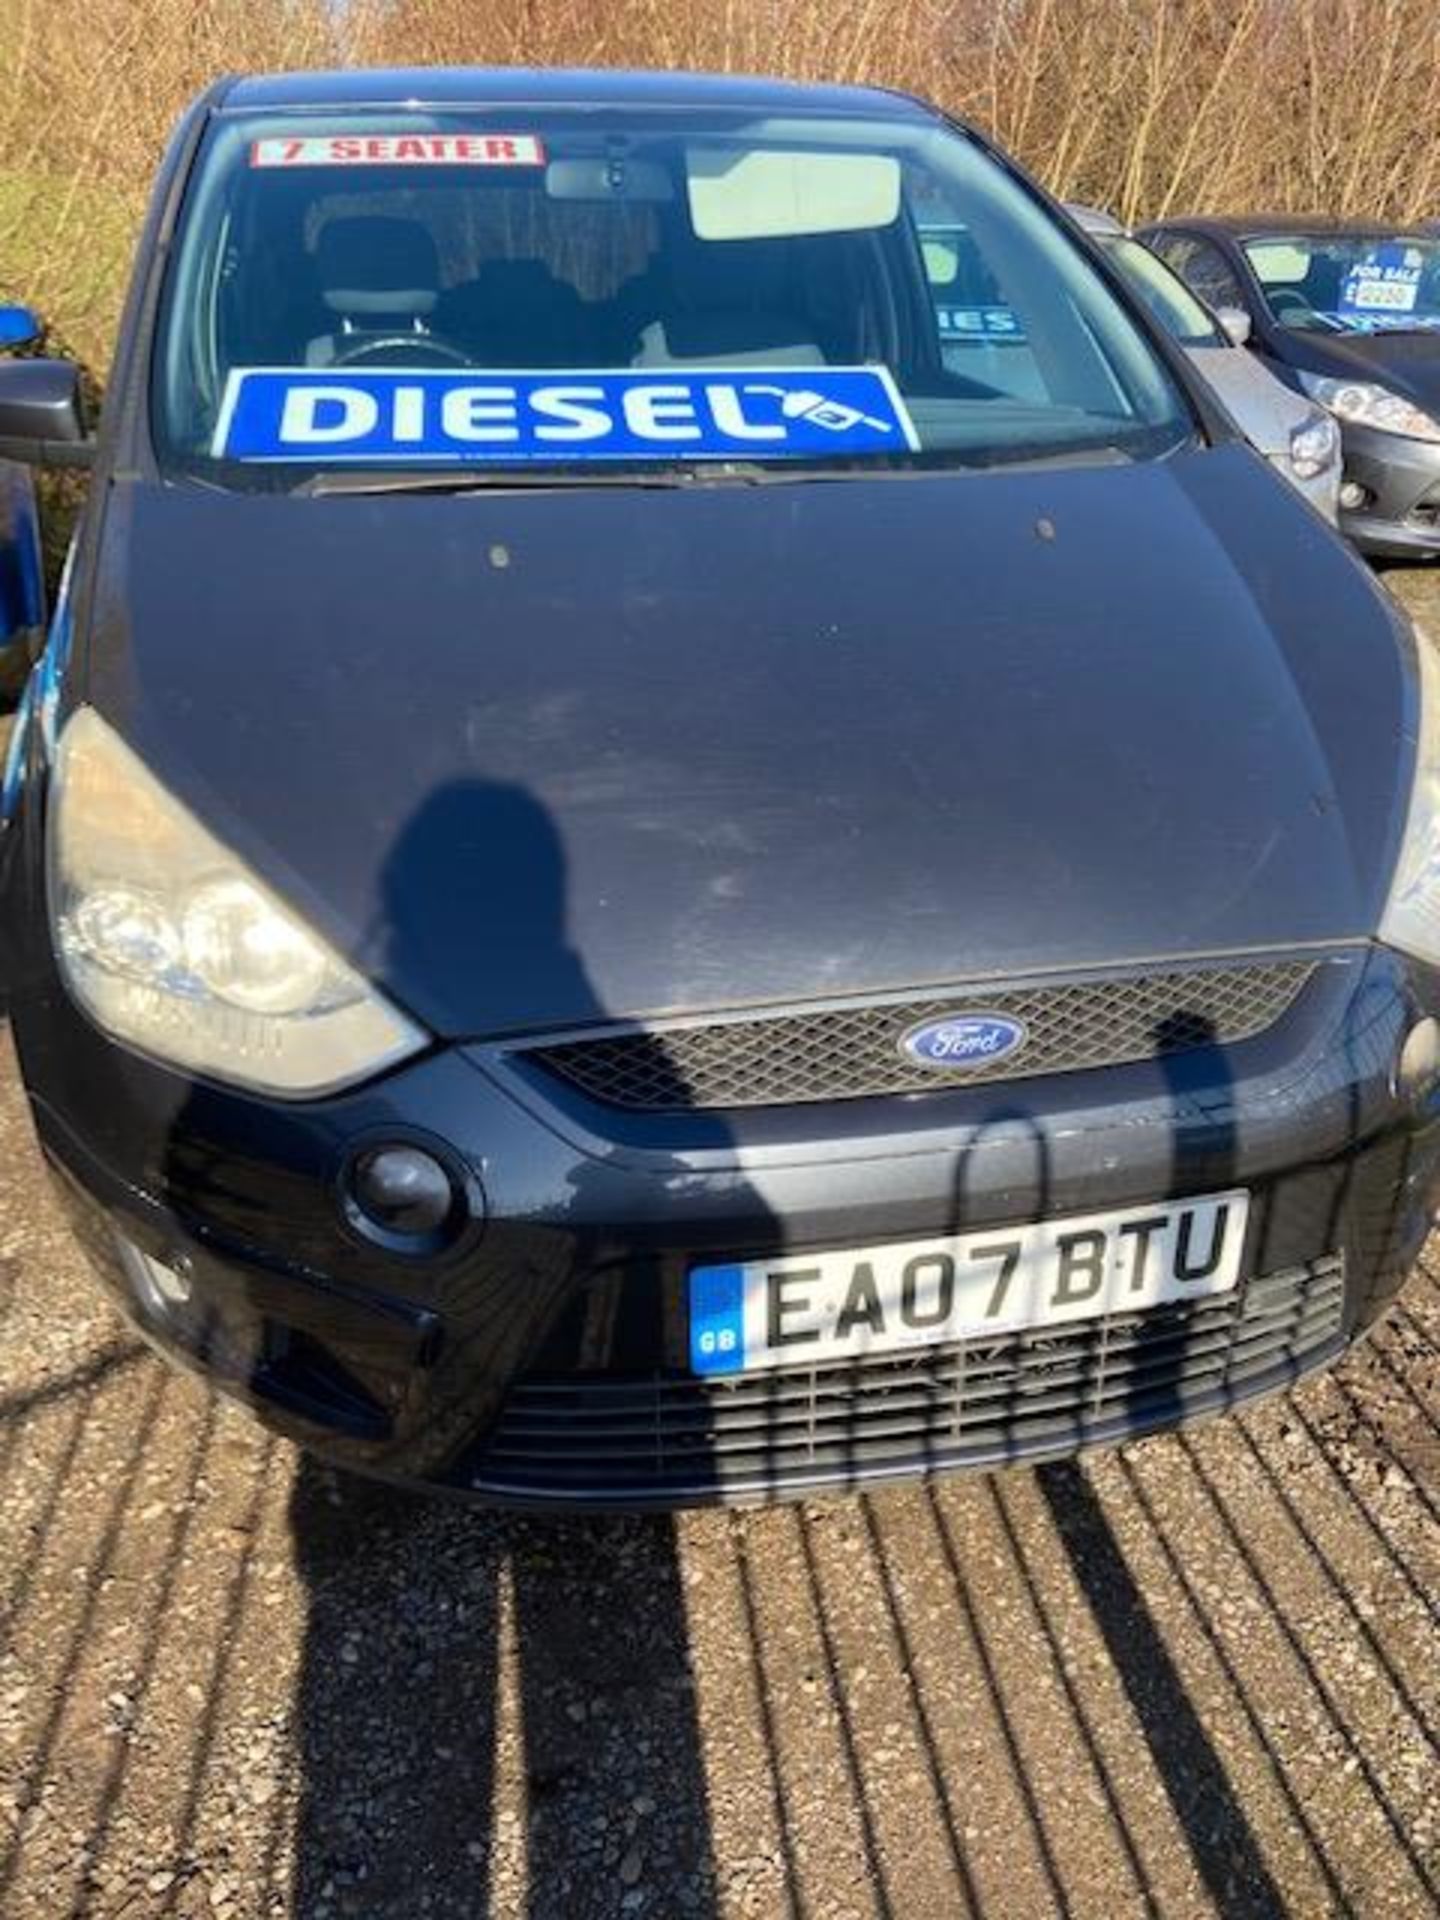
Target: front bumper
{"x": 543, "y": 1358}
{"x": 1400, "y": 519}
{"x": 1322, "y": 490}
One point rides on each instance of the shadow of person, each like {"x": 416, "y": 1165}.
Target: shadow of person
{"x": 1204, "y": 1157}
{"x": 495, "y": 1712}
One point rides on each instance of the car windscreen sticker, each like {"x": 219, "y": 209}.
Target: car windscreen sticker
{"x": 1387, "y": 280}
{"x": 344, "y": 416}
{"x": 978, "y": 323}
{"x": 400, "y": 150}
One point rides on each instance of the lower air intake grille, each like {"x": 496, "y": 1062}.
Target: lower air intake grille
{"x": 846, "y": 1053}
{"x": 977, "y": 1403}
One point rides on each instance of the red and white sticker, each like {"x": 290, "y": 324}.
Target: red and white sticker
{"x": 401, "y": 150}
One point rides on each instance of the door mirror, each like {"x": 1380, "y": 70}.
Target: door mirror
{"x": 41, "y": 419}
{"x": 18, "y": 326}
{"x": 1234, "y": 324}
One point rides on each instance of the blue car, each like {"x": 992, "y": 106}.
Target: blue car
{"x": 22, "y": 579}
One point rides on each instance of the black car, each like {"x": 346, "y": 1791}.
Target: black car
{"x": 622, "y": 887}
{"x": 1349, "y": 313}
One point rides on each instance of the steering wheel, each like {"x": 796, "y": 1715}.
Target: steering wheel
{"x": 1287, "y": 300}
{"x": 403, "y": 349}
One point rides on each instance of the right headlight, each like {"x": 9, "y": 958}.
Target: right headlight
{"x": 173, "y": 945}
{"x": 1368, "y": 404}
{"x": 1314, "y": 446}
{"x": 1412, "y": 913}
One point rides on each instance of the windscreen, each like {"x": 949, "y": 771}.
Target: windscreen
{"x": 1349, "y": 283}
{"x": 1166, "y": 297}
{"x": 562, "y": 289}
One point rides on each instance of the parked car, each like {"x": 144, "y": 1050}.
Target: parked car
{"x": 22, "y": 576}
{"x": 624, "y": 888}
{"x": 1348, "y": 313}
{"x": 1300, "y": 440}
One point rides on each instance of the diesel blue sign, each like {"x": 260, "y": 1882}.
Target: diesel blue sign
{"x": 425, "y": 416}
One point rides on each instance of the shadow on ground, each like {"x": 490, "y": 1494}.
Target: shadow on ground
{"x": 496, "y": 1713}
{"x": 1195, "y": 1677}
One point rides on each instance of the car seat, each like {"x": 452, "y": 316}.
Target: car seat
{"x": 729, "y": 304}
{"x": 515, "y": 313}
{"x": 378, "y": 275}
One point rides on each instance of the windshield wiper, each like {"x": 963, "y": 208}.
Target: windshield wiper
{"x": 558, "y": 480}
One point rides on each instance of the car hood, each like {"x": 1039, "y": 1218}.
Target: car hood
{"x": 537, "y": 758}
{"x": 1407, "y": 362}
{"x": 1264, "y": 408}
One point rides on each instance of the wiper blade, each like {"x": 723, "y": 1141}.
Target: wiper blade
{"x": 513, "y": 480}
{"x": 718, "y": 473}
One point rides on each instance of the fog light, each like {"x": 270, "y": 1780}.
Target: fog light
{"x": 403, "y": 1191}
{"x": 1418, "y": 1068}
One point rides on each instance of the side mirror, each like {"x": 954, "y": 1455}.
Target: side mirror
{"x": 41, "y": 419}
{"x": 18, "y": 326}
{"x": 1234, "y": 324}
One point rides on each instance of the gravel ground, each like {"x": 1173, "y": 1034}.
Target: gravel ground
{"x": 1196, "y": 1676}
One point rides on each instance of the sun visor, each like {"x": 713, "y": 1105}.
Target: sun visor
{"x": 766, "y": 193}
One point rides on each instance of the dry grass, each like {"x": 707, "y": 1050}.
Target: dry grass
{"x": 1142, "y": 105}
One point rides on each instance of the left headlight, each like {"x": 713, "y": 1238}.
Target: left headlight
{"x": 1412, "y": 913}
{"x": 1370, "y": 405}
{"x": 174, "y": 946}
{"x": 1314, "y": 446}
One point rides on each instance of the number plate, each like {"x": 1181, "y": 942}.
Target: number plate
{"x": 801, "y": 1309}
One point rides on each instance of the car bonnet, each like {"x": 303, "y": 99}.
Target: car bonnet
{"x": 525, "y": 756}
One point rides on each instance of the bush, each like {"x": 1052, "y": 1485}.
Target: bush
{"x": 1144, "y": 106}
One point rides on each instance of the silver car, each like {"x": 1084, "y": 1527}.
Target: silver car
{"x": 1296, "y": 437}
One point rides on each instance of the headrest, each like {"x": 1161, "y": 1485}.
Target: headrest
{"x": 372, "y": 264}
{"x": 512, "y": 292}
{"x": 732, "y": 273}
{"x": 519, "y": 280}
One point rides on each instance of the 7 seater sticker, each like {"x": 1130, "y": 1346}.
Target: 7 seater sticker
{"x": 429, "y": 415}
{"x": 399, "y": 150}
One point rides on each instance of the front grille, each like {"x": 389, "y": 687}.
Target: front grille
{"x": 975, "y": 1403}
{"x": 845, "y": 1053}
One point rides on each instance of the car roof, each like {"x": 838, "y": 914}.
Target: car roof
{"x": 1254, "y": 226}
{"x": 504, "y": 86}
{"x": 1094, "y": 219}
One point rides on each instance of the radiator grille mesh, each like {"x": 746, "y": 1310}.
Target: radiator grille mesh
{"x": 851, "y": 1052}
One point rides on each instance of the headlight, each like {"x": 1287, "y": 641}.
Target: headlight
{"x": 1369, "y": 405}
{"x": 1412, "y": 913}
{"x": 1314, "y": 446}
{"x": 171, "y": 944}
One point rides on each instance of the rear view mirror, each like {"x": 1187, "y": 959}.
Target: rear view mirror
{"x": 764, "y": 193}
{"x": 1279, "y": 261}
{"x": 1234, "y": 324}
{"x": 609, "y": 178}
{"x": 41, "y": 419}
{"x": 18, "y": 326}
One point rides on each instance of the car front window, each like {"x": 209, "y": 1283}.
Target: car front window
{"x": 1349, "y": 283}
{"x": 557, "y": 289}
{"x": 1165, "y": 296}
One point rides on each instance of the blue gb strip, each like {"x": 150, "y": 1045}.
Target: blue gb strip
{"x": 427, "y": 415}
{"x": 717, "y": 1319}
